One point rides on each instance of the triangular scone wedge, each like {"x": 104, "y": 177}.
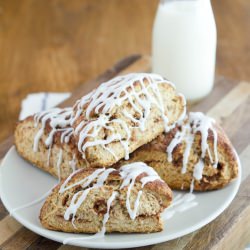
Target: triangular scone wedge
{"x": 58, "y": 156}
{"x": 197, "y": 150}
{"x": 99, "y": 131}
{"x": 123, "y": 114}
{"x": 107, "y": 200}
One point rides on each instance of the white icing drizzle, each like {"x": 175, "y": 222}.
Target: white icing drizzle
{"x": 105, "y": 220}
{"x": 58, "y": 164}
{"x": 128, "y": 173}
{"x": 106, "y": 215}
{"x": 59, "y": 120}
{"x": 181, "y": 203}
{"x": 192, "y": 186}
{"x": 72, "y": 163}
{"x": 197, "y": 122}
{"x": 189, "y": 142}
{"x": 79, "y": 197}
{"x": 84, "y": 182}
{"x": 101, "y": 102}
{"x": 198, "y": 169}
{"x": 32, "y": 203}
{"x": 49, "y": 154}
{"x": 112, "y": 94}
{"x": 176, "y": 140}
{"x": 202, "y": 124}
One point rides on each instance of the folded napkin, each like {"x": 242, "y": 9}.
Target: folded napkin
{"x": 37, "y": 102}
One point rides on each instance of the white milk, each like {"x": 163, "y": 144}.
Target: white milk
{"x": 184, "y": 45}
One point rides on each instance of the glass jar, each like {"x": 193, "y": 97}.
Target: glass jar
{"x": 184, "y": 45}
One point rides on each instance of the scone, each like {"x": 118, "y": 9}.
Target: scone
{"x": 103, "y": 127}
{"x": 196, "y": 154}
{"x": 55, "y": 150}
{"x": 107, "y": 200}
{"x": 124, "y": 114}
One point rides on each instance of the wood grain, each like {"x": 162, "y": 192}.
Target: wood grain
{"x": 229, "y": 102}
{"x": 9, "y": 227}
{"x": 22, "y": 239}
{"x": 57, "y": 45}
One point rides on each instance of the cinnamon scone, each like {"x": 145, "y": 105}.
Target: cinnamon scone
{"x": 196, "y": 154}
{"x": 124, "y": 114}
{"x": 107, "y": 200}
{"x": 103, "y": 127}
{"x": 49, "y": 147}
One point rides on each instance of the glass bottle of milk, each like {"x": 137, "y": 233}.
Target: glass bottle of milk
{"x": 184, "y": 45}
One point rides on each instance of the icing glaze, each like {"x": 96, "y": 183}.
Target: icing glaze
{"x": 128, "y": 174}
{"x": 105, "y": 220}
{"x": 32, "y": 203}
{"x": 49, "y": 154}
{"x": 181, "y": 203}
{"x": 198, "y": 169}
{"x": 97, "y": 108}
{"x": 192, "y": 186}
{"x": 196, "y": 122}
{"x": 58, "y": 164}
{"x": 72, "y": 163}
{"x": 140, "y": 90}
{"x": 106, "y": 215}
{"x": 58, "y": 119}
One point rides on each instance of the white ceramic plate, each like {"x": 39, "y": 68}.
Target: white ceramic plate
{"x": 21, "y": 183}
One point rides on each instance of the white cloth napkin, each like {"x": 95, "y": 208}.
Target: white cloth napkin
{"x": 37, "y": 102}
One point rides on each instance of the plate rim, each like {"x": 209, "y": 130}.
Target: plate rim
{"x": 118, "y": 245}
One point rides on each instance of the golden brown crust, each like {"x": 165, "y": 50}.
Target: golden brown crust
{"x": 24, "y": 140}
{"x": 154, "y": 154}
{"x": 155, "y": 197}
{"x": 97, "y": 156}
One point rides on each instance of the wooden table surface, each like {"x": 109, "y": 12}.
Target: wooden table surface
{"x": 55, "y": 45}
{"x": 228, "y": 103}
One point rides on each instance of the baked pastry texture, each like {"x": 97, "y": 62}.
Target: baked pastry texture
{"x": 124, "y": 114}
{"x": 102, "y": 127}
{"x": 196, "y": 154}
{"x": 59, "y": 156}
{"x": 63, "y": 158}
{"x": 107, "y": 200}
